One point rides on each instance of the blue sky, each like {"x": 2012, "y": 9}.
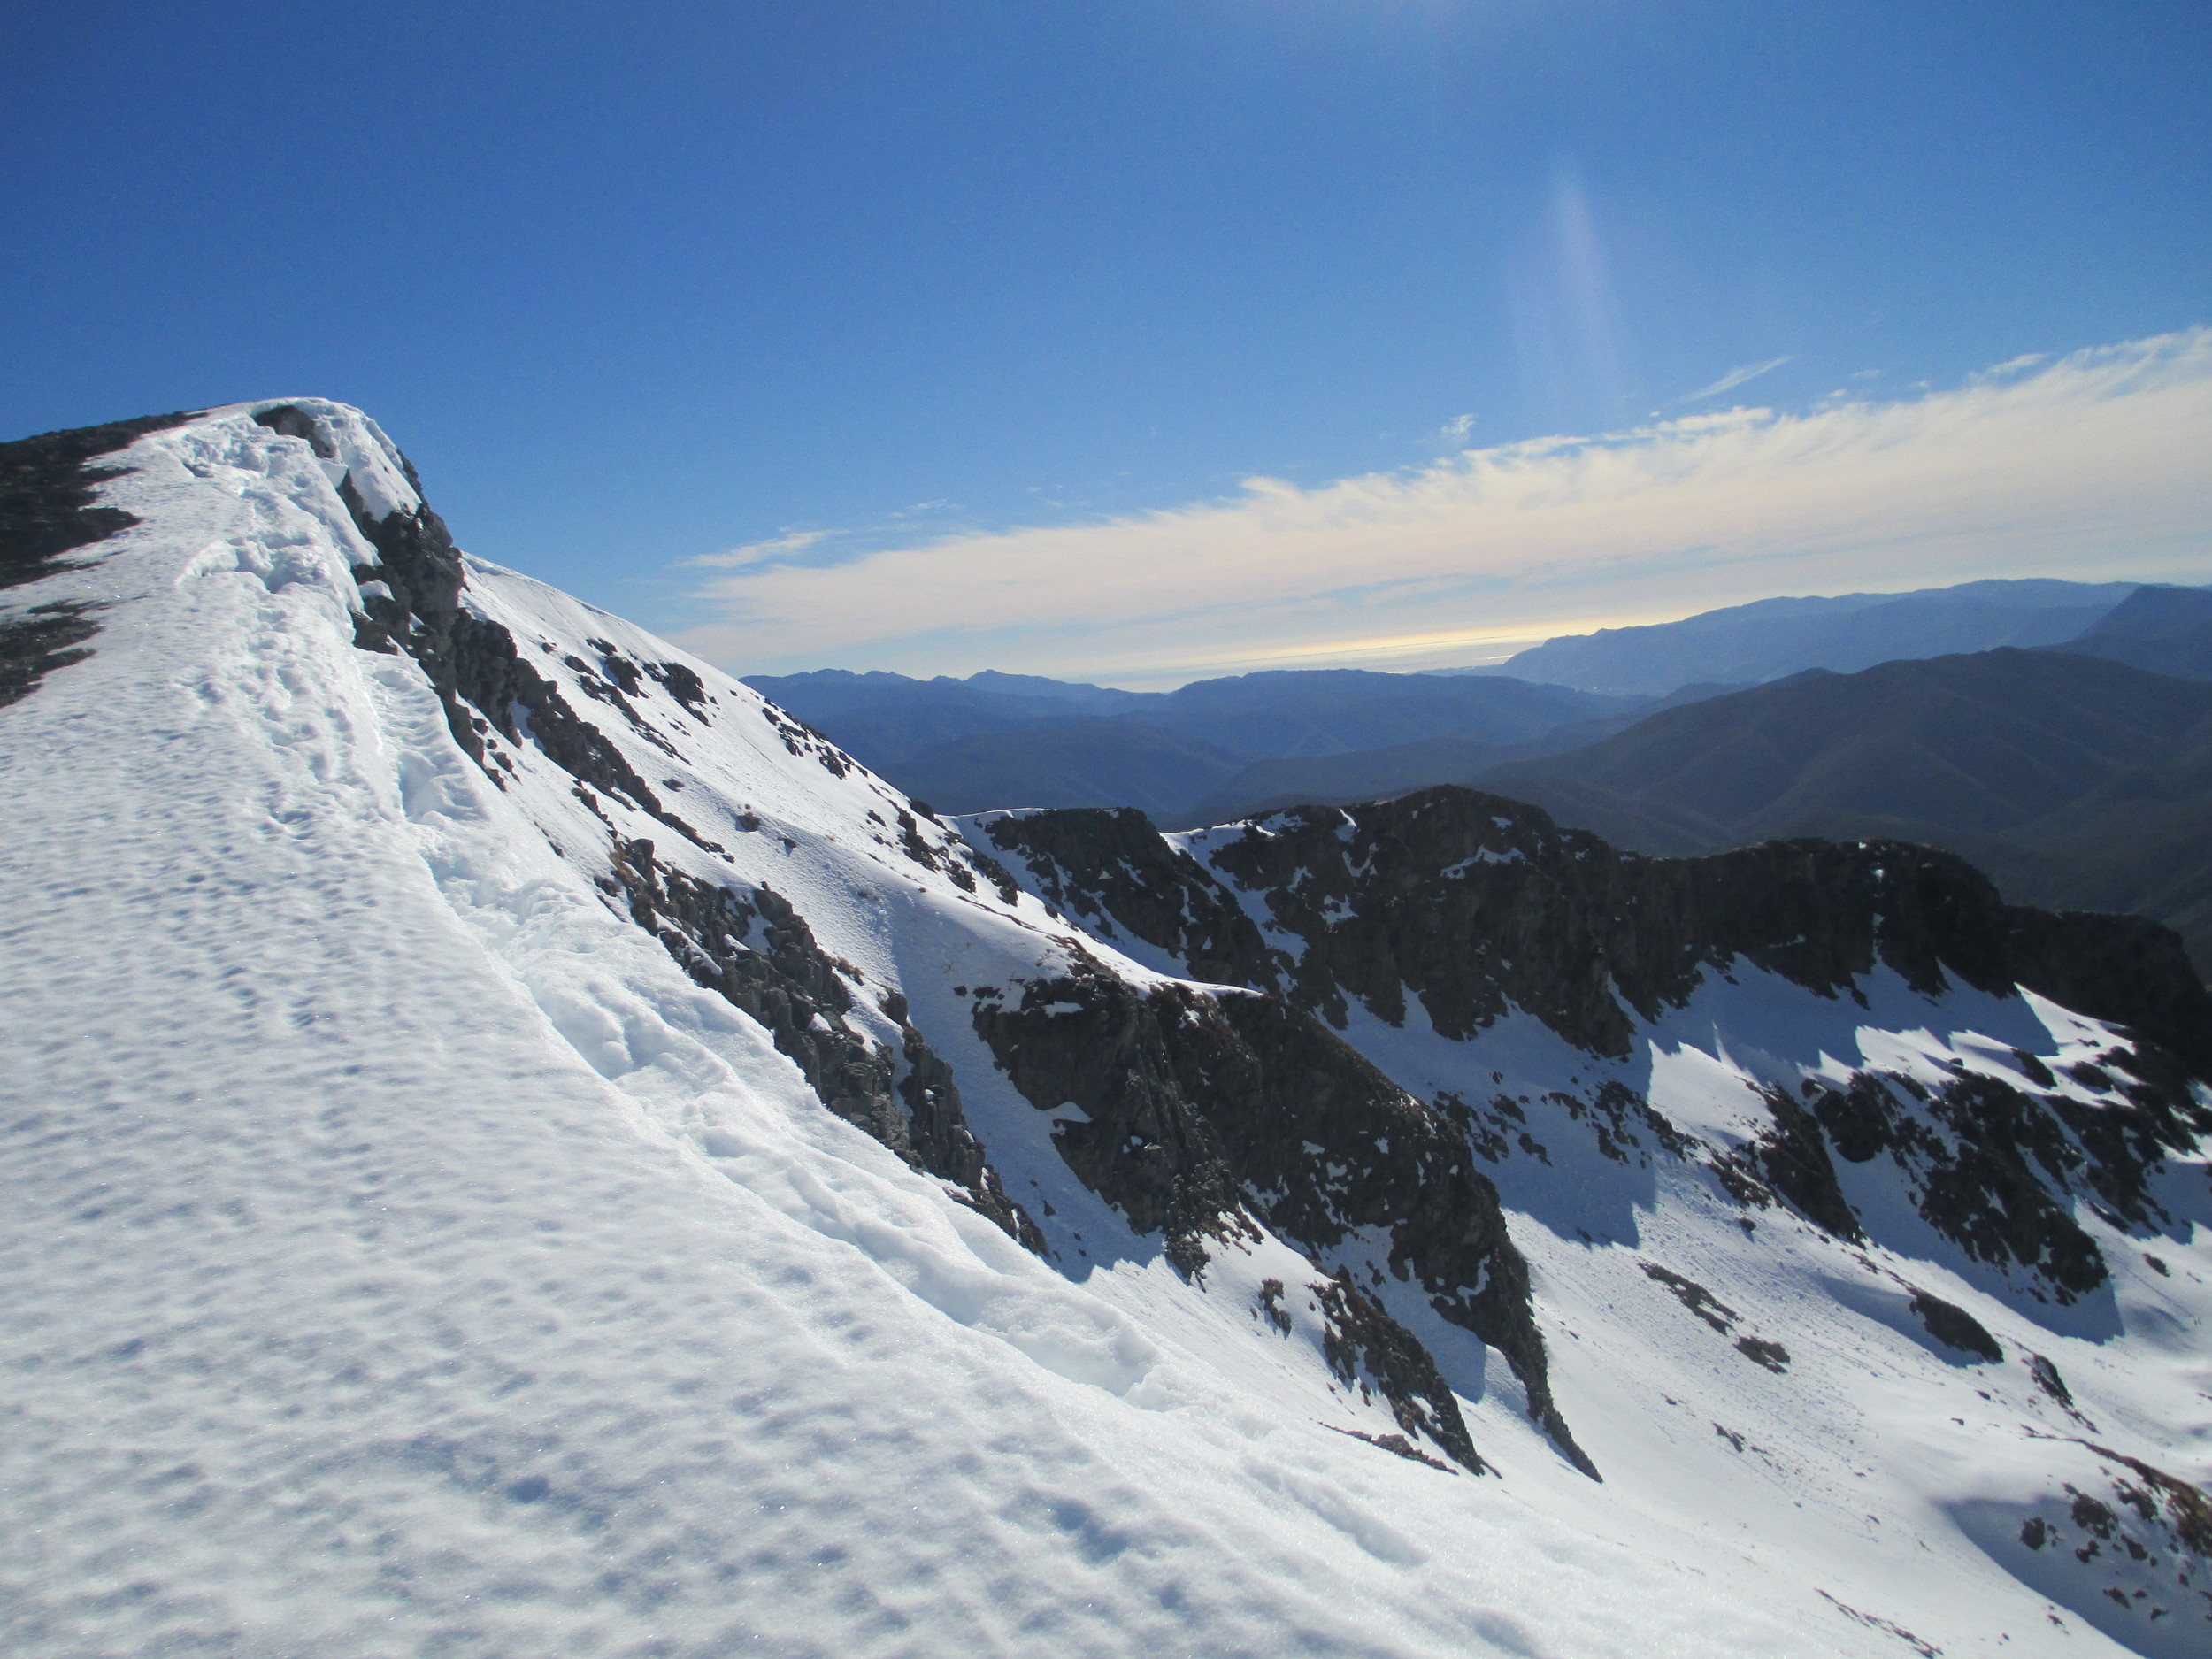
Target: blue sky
{"x": 913, "y": 293}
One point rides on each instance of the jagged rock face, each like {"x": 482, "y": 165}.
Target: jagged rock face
{"x": 1472, "y": 901}
{"x": 1112, "y": 868}
{"x": 1476, "y": 905}
{"x": 1199, "y": 1111}
{"x": 1366, "y": 1347}
{"x": 1794, "y": 1158}
{"x": 1994, "y": 1165}
{"x": 1102, "y": 1046}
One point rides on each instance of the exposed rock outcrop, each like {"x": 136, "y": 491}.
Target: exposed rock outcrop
{"x": 38, "y": 640}
{"x": 1110, "y": 868}
{"x": 1368, "y": 1349}
{"x": 1471, "y": 905}
{"x": 2128, "y": 1546}
{"x": 1953, "y": 1326}
{"x": 1991, "y": 1166}
{"x": 1202, "y": 1114}
{"x": 1472, "y": 901}
{"x": 48, "y": 486}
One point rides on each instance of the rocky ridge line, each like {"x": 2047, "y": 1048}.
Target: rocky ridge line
{"x": 1476, "y": 905}
{"x": 793, "y": 988}
{"x": 1452, "y": 1235}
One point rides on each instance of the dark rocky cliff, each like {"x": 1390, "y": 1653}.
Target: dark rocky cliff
{"x": 1206, "y": 1113}
{"x": 1472, "y": 901}
{"x": 1451, "y": 908}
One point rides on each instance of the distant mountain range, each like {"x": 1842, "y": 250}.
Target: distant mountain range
{"x": 998, "y": 739}
{"x": 2079, "y": 783}
{"x": 1265, "y": 785}
{"x": 2166, "y": 630}
{"x": 1773, "y": 638}
{"x": 2078, "y": 773}
{"x": 1220, "y": 750}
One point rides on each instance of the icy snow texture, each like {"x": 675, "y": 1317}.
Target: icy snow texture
{"x": 400, "y": 1256}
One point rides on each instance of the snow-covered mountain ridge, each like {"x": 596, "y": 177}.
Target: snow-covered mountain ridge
{"x": 515, "y": 1145}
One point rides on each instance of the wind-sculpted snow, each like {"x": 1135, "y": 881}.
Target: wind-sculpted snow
{"x": 514, "y": 1145}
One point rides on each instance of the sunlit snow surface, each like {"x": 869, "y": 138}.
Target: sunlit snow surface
{"x": 401, "y": 1256}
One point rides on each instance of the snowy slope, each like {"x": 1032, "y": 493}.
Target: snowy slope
{"x": 524, "y": 1148}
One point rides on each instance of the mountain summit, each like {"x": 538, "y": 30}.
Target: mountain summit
{"x": 516, "y": 1144}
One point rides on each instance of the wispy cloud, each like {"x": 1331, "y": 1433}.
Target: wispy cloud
{"x": 1734, "y": 377}
{"x": 758, "y": 552}
{"x": 1567, "y": 327}
{"x": 2089, "y": 466}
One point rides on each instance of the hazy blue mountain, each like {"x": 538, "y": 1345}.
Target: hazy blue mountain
{"x": 998, "y": 739}
{"x": 1373, "y": 774}
{"x": 1339, "y": 711}
{"x": 2077, "y": 782}
{"x": 1773, "y": 638}
{"x": 1097, "y": 699}
{"x": 2075, "y": 773}
{"x": 1073, "y": 763}
{"x": 882, "y": 718}
{"x": 2165, "y": 629}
